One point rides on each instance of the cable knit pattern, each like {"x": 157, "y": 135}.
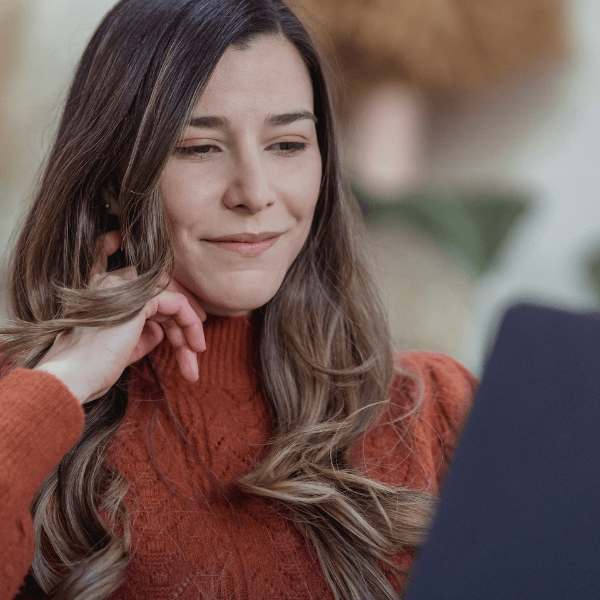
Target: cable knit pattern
{"x": 195, "y": 534}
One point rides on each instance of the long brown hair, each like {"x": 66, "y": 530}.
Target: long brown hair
{"x": 325, "y": 351}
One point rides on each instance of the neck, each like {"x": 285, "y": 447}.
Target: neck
{"x": 231, "y": 356}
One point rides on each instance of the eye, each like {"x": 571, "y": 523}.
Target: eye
{"x": 288, "y": 148}
{"x": 200, "y": 151}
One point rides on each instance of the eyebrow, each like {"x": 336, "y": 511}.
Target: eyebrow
{"x": 287, "y": 118}
{"x": 211, "y": 122}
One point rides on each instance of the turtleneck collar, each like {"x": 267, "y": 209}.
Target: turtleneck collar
{"x": 231, "y": 355}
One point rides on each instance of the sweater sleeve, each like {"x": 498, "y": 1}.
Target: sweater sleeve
{"x": 445, "y": 392}
{"x": 40, "y": 421}
{"x": 411, "y": 444}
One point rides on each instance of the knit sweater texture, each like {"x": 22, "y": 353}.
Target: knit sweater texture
{"x": 194, "y": 533}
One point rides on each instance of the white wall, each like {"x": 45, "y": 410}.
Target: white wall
{"x": 541, "y": 134}
{"x": 53, "y": 34}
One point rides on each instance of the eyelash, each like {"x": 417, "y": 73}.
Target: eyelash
{"x": 291, "y": 149}
{"x": 193, "y": 150}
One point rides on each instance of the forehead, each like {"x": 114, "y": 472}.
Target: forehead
{"x": 268, "y": 75}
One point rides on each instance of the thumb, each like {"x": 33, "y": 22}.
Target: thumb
{"x": 109, "y": 243}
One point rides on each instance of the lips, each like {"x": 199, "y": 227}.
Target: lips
{"x": 247, "y": 244}
{"x": 247, "y": 238}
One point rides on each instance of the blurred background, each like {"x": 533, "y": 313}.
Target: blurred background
{"x": 470, "y": 133}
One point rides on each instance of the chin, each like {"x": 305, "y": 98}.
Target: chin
{"x": 236, "y": 304}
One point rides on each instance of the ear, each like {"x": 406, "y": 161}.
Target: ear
{"x": 110, "y": 201}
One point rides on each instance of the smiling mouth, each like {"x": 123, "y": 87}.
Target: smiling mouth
{"x": 247, "y": 238}
{"x": 248, "y": 244}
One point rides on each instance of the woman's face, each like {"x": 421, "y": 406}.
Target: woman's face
{"x": 241, "y": 189}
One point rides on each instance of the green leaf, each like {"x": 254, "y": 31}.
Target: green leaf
{"x": 473, "y": 224}
{"x": 594, "y": 274}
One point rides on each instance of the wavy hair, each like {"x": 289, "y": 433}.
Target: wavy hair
{"x": 326, "y": 357}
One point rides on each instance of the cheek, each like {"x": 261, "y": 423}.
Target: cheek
{"x": 307, "y": 186}
{"x": 181, "y": 195}
{"x": 172, "y": 191}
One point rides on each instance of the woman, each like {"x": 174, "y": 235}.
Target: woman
{"x": 229, "y": 459}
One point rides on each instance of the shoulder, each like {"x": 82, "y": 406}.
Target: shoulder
{"x": 430, "y": 398}
{"x": 437, "y": 386}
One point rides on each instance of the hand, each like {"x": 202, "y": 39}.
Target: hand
{"x": 90, "y": 360}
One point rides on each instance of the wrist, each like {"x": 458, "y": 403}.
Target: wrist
{"x": 68, "y": 373}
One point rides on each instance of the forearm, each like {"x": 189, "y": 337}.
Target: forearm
{"x": 40, "y": 421}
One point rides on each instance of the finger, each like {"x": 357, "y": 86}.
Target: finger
{"x": 174, "y": 312}
{"x": 114, "y": 278}
{"x": 107, "y": 245}
{"x": 174, "y": 333}
{"x": 111, "y": 243}
{"x": 152, "y": 335}
{"x": 191, "y": 335}
{"x": 188, "y": 363}
{"x": 175, "y": 286}
{"x": 183, "y": 330}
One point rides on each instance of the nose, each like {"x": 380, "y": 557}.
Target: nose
{"x": 250, "y": 187}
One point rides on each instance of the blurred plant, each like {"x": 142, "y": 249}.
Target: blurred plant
{"x": 472, "y": 224}
{"x": 594, "y": 273}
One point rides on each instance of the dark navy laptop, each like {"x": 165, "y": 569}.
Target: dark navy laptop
{"x": 519, "y": 517}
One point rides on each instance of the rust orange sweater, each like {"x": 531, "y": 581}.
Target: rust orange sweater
{"x": 187, "y": 541}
